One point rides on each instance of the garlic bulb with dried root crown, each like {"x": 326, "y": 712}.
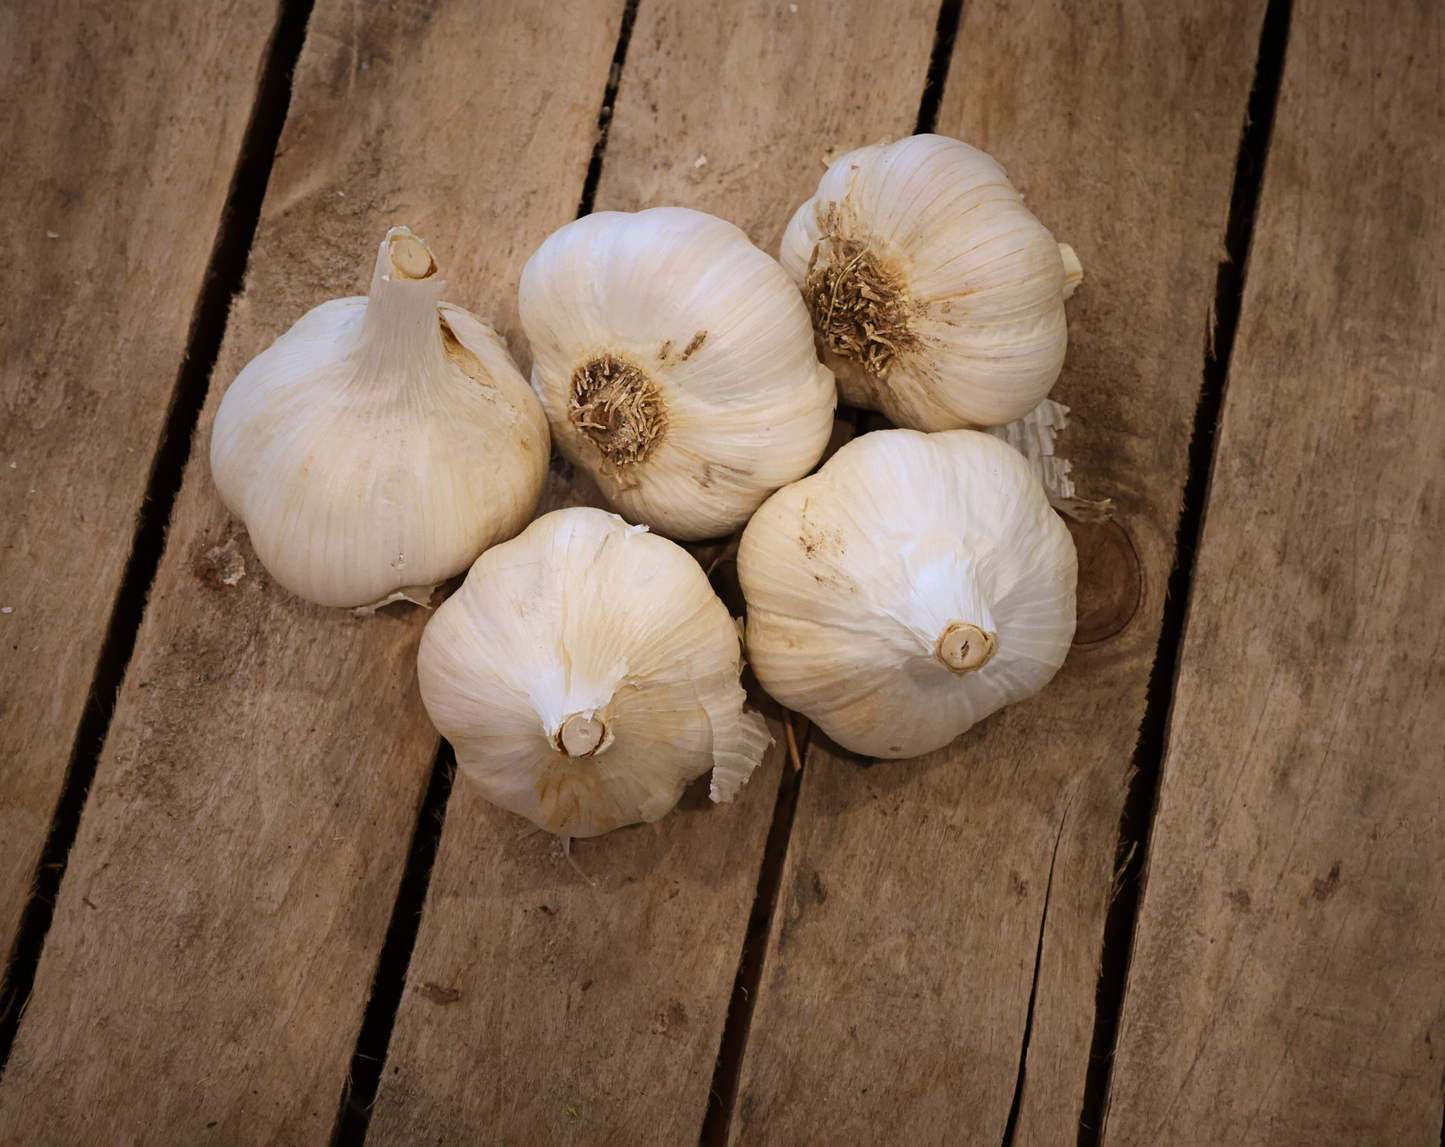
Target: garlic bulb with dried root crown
{"x": 937, "y": 297}
{"x": 676, "y": 364}
{"x": 585, "y": 673}
{"x": 911, "y": 587}
{"x": 381, "y": 443}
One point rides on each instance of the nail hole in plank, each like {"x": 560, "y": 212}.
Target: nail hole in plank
{"x": 1139, "y": 805}
{"x": 224, "y": 274}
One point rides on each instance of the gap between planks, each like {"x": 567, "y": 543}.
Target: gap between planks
{"x": 373, "y": 1040}
{"x": 1137, "y": 817}
{"x": 722, "y": 1096}
{"x": 224, "y": 273}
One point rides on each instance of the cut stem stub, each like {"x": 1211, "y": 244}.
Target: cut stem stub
{"x": 580, "y": 734}
{"x": 964, "y": 648}
{"x": 410, "y": 258}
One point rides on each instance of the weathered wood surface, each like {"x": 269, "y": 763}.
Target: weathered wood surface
{"x": 120, "y": 128}
{"x": 537, "y": 1009}
{"x": 920, "y": 900}
{"x": 236, "y": 865}
{"x": 1288, "y": 978}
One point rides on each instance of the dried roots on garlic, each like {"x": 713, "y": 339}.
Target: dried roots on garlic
{"x": 938, "y": 299}
{"x": 585, "y": 673}
{"x": 676, "y": 364}
{"x": 382, "y": 443}
{"x": 911, "y": 587}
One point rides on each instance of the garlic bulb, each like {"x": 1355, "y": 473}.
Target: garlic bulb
{"x": 911, "y": 587}
{"x": 585, "y": 673}
{"x": 382, "y": 443}
{"x": 676, "y": 364}
{"x": 937, "y": 297}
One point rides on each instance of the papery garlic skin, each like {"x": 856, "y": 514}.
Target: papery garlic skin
{"x": 914, "y": 585}
{"x": 382, "y": 443}
{"x": 938, "y": 298}
{"x": 585, "y": 673}
{"x": 676, "y": 364}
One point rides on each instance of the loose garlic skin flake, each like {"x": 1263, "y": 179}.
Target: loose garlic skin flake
{"x": 914, "y": 585}
{"x": 585, "y": 673}
{"x": 676, "y": 364}
{"x": 937, "y": 297}
{"x": 382, "y": 443}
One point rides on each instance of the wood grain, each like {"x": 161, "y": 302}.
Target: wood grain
{"x": 1288, "y": 978}
{"x": 120, "y": 128}
{"x": 218, "y": 927}
{"x": 587, "y": 1015}
{"x": 924, "y": 902}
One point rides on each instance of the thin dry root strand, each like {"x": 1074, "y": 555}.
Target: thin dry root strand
{"x": 793, "y": 754}
{"x": 619, "y": 408}
{"x": 572, "y": 860}
{"x": 859, "y": 309}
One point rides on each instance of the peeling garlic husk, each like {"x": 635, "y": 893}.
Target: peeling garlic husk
{"x": 1033, "y": 436}
{"x": 676, "y": 364}
{"x": 914, "y": 585}
{"x": 938, "y": 298}
{"x": 382, "y": 443}
{"x": 585, "y": 673}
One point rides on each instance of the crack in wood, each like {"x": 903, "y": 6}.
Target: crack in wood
{"x": 722, "y": 1096}
{"x": 389, "y": 981}
{"x": 604, "y": 113}
{"x": 950, "y": 16}
{"x": 1011, "y": 1126}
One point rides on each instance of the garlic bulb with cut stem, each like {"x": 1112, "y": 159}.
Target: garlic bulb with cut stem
{"x": 585, "y": 672}
{"x": 937, "y": 297}
{"x": 676, "y": 364}
{"x": 382, "y": 443}
{"x": 912, "y": 586}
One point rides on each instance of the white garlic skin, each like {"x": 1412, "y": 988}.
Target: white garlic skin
{"x": 719, "y": 338}
{"x": 904, "y": 546}
{"x": 973, "y": 332}
{"x": 585, "y": 673}
{"x": 379, "y": 445}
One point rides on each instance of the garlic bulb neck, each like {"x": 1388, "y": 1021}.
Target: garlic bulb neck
{"x": 619, "y": 407}
{"x": 401, "y": 335}
{"x": 964, "y": 647}
{"x": 581, "y": 735}
{"x": 859, "y": 306}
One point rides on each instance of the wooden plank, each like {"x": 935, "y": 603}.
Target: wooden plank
{"x": 1286, "y": 983}
{"x": 237, "y": 862}
{"x": 923, "y": 903}
{"x": 538, "y": 1009}
{"x": 120, "y": 127}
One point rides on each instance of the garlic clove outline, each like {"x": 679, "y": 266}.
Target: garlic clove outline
{"x": 912, "y": 586}
{"x": 676, "y": 364}
{"x": 936, "y": 295}
{"x": 376, "y": 448}
{"x": 585, "y": 673}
